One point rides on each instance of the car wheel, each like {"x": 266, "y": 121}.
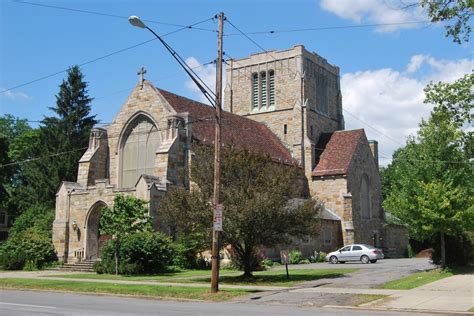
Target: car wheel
{"x": 373, "y": 261}
{"x": 333, "y": 259}
{"x": 364, "y": 259}
{"x": 342, "y": 262}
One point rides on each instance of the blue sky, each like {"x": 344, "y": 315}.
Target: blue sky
{"x": 384, "y": 69}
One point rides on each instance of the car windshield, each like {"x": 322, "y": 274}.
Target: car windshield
{"x": 369, "y": 246}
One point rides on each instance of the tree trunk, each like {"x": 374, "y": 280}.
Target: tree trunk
{"x": 443, "y": 252}
{"x": 116, "y": 257}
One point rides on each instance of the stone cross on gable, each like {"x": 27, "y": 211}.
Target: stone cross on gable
{"x": 141, "y": 72}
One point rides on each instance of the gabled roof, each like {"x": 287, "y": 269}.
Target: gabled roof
{"x": 337, "y": 151}
{"x": 238, "y": 131}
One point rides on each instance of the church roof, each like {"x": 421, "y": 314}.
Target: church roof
{"x": 336, "y": 152}
{"x": 238, "y": 131}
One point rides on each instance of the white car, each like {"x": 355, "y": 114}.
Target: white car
{"x": 357, "y": 252}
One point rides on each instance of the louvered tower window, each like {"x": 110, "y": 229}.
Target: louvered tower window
{"x": 255, "y": 91}
{"x": 271, "y": 88}
{"x": 263, "y": 89}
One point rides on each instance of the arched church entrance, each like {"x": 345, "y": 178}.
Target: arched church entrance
{"x": 94, "y": 240}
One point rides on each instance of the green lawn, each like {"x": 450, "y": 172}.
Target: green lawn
{"x": 262, "y": 278}
{"x": 421, "y": 278}
{"x": 164, "y": 277}
{"x": 155, "y": 291}
{"x": 278, "y": 277}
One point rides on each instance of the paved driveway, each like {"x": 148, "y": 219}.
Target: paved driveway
{"x": 370, "y": 275}
{"x": 325, "y": 291}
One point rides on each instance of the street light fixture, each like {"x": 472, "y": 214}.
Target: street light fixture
{"x": 210, "y": 96}
{"x": 216, "y": 100}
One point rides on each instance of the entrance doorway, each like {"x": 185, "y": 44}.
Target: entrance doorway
{"x": 94, "y": 241}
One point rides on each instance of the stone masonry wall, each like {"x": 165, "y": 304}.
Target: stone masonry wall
{"x": 289, "y": 66}
{"x": 141, "y": 101}
{"x": 363, "y": 164}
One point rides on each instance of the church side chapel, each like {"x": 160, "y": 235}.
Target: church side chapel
{"x": 285, "y": 104}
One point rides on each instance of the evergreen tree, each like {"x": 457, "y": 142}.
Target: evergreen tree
{"x": 70, "y": 130}
{"x": 61, "y": 141}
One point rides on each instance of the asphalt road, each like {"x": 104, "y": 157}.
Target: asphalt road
{"x": 21, "y": 303}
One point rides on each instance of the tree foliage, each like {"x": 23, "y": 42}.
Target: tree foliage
{"x": 456, "y": 12}
{"x": 60, "y": 141}
{"x": 255, "y": 193}
{"x": 139, "y": 253}
{"x": 127, "y": 215}
{"x": 431, "y": 186}
{"x": 29, "y": 240}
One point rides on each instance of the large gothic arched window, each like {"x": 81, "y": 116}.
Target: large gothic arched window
{"x": 138, "y": 150}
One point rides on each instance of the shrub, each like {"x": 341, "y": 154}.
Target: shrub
{"x": 187, "y": 253}
{"x": 409, "y": 252}
{"x": 141, "y": 252}
{"x": 30, "y": 241}
{"x": 266, "y": 263}
{"x": 32, "y": 246}
{"x": 295, "y": 256}
{"x": 304, "y": 261}
{"x": 322, "y": 256}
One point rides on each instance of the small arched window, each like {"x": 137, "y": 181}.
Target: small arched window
{"x": 365, "y": 197}
{"x": 138, "y": 150}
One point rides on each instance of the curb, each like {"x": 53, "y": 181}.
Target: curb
{"x": 400, "y": 310}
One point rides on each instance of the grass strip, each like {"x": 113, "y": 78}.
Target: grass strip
{"x": 164, "y": 277}
{"x": 154, "y": 291}
{"x": 261, "y": 278}
{"x": 366, "y": 298}
{"x": 418, "y": 279}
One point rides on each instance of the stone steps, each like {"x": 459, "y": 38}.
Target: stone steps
{"x": 84, "y": 266}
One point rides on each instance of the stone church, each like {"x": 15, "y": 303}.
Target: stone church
{"x": 286, "y": 104}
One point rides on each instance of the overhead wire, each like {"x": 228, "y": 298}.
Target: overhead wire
{"x": 210, "y": 118}
{"x": 102, "y": 57}
{"x": 324, "y": 28}
{"x": 110, "y": 15}
{"x": 296, "y": 73}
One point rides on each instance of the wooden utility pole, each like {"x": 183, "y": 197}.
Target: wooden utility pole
{"x": 217, "y": 161}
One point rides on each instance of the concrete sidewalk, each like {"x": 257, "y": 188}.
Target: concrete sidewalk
{"x": 453, "y": 294}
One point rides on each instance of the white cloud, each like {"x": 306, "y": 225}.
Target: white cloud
{"x": 207, "y": 73}
{"x": 391, "y": 101}
{"x": 15, "y": 96}
{"x": 376, "y": 11}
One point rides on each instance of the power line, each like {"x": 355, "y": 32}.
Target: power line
{"x": 263, "y": 49}
{"x": 110, "y": 15}
{"x": 324, "y": 28}
{"x": 210, "y": 118}
{"x": 373, "y": 128}
{"x": 103, "y": 57}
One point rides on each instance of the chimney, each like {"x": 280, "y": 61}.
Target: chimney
{"x": 374, "y": 147}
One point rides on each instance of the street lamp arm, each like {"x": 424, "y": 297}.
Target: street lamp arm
{"x": 206, "y": 91}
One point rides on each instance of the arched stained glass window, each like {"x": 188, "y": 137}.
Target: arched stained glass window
{"x": 138, "y": 151}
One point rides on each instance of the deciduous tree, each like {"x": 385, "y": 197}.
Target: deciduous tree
{"x": 431, "y": 178}
{"x": 127, "y": 215}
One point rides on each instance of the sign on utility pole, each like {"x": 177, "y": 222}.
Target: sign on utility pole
{"x": 218, "y": 217}
{"x": 217, "y": 160}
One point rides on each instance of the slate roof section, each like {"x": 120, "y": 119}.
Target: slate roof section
{"x": 337, "y": 151}
{"x": 238, "y": 131}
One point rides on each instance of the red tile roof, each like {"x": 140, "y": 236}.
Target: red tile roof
{"x": 337, "y": 151}
{"x": 238, "y": 131}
